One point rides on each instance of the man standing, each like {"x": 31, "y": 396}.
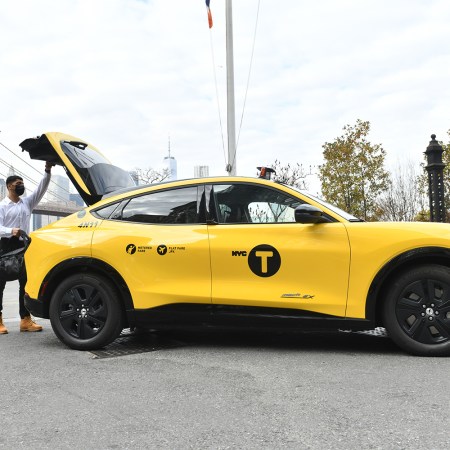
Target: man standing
{"x": 15, "y": 213}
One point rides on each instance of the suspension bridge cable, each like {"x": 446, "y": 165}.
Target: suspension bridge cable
{"x": 32, "y": 181}
{"x": 23, "y": 175}
{"x": 17, "y": 156}
{"x": 25, "y": 162}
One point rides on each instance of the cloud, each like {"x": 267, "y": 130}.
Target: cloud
{"x": 126, "y": 75}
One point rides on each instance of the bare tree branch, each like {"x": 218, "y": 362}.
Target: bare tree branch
{"x": 149, "y": 175}
{"x": 402, "y": 200}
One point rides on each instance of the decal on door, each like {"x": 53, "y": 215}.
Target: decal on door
{"x": 161, "y": 249}
{"x": 91, "y": 224}
{"x": 298, "y": 295}
{"x": 264, "y": 260}
{"x": 131, "y": 249}
{"x": 164, "y": 249}
{"x": 238, "y": 253}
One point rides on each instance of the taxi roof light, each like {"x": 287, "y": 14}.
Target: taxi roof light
{"x": 266, "y": 172}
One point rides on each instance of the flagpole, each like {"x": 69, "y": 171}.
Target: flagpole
{"x": 231, "y": 121}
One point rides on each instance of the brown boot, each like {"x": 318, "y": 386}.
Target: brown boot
{"x": 27, "y": 324}
{"x": 3, "y": 329}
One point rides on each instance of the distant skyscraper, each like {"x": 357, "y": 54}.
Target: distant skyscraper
{"x": 76, "y": 198}
{"x": 201, "y": 171}
{"x": 3, "y": 190}
{"x": 58, "y": 191}
{"x": 171, "y": 163}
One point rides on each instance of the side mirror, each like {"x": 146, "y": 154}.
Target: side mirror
{"x": 309, "y": 214}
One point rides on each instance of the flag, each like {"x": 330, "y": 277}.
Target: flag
{"x": 210, "y": 22}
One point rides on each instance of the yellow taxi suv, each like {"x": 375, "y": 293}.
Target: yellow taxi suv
{"x": 230, "y": 252}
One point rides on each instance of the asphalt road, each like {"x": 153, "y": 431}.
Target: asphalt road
{"x": 219, "y": 391}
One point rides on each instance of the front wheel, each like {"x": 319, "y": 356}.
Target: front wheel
{"x": 416, "y": 312}
{"x": 85, "y": 312}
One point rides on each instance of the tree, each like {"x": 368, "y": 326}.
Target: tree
{"x": 353, "y": 174}
{"x": 402, "y": 201}
{"x": 149, "y": 175}
{"x": 286, "y": 174}
{"x": 294, "y": 175}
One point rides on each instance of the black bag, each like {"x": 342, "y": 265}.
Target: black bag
{"x": 12, "y": 264}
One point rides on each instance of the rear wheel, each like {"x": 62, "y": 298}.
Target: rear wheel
{"x": 417, "y": 311}
{"x": 85, "y": 312}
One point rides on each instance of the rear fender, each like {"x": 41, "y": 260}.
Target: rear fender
{"x": 84, "y": 265}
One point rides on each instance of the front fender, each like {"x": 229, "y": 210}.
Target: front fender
{"x": 401, "y": 263}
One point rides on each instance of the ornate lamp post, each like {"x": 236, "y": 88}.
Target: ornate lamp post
{"x": 435, "y": 169}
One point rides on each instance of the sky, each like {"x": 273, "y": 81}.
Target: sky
{"x": 129, "y": 75}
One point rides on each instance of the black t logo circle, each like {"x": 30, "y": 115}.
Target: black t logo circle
{"x": 131, "y": 248}
{"x": 264, "y": 260}
{"x": 162, "y": 249}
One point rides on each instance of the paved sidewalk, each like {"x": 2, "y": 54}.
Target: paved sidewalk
{"x": 11, "y": 302}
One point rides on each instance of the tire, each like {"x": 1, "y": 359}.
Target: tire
{"x": 85, "y": 312}
{"x": 416, "y": 312}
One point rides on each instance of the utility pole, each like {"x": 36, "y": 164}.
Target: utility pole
{"x": 231, "y": 121}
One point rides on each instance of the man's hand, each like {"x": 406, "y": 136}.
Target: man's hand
{"x": 15, "y": 232}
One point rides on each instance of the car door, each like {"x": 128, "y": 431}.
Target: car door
{"x": 261, "y": 257}
{"x": 158, "y": 242}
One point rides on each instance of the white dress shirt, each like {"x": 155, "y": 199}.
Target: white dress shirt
{"x": 17, "y": 215}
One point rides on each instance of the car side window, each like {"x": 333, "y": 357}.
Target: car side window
{"x": 174, "y": 206}
{"x": 106, "y": 211}
{"x": 253, "y": 203}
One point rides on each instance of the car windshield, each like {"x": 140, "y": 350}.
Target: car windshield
{"x": 329, "y": 206}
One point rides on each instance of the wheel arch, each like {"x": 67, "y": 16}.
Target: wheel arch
{"x": 89, "y": 266}
{"x": 401, "y": 263}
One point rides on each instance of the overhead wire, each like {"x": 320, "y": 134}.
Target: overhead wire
{"x": 218, "y": 107}
{"x": 34, "y": 182}
{"x": 248, "y": 84}
{"x": 31, "y": 180}
{"x": 217, "y": 94}
{"x": 23, "y": 160}
{"x": 249, "y": 74}
{"x": 246, "y": 90}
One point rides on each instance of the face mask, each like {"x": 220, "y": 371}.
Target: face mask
{"x": 19, "y": 190}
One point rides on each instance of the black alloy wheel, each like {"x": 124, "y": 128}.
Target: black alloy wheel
{"x": 85, "y": 312}
{"x": 417, "y": 311}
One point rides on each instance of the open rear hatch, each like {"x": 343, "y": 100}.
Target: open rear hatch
{"x": 90, "y": 172}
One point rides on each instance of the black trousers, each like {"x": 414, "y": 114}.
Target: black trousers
{"x": 7, "y": 245}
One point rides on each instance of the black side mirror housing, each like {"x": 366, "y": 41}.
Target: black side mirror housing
{"x": 309, "y": 214}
